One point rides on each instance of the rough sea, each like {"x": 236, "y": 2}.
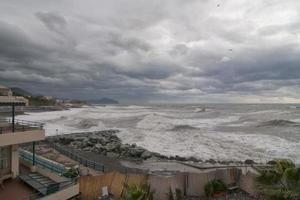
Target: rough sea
{"x": 212, "y": 131}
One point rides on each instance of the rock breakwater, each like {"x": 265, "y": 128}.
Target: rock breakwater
{"x": 107, "y": 143}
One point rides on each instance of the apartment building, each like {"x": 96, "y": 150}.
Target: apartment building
{"x": 29, "y": 176}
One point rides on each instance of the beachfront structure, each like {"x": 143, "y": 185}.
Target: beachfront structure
{"x": 29, "y": 177}
{"x": 12, "y": 134}
{"x": 5, "y": 91}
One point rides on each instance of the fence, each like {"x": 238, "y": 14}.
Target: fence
{"x": 166, "y": 187}
{"x": 19, "y": 126}
{"x": 74, "y": 155}
{"x": 27, "y": 156}
{"x": 90, "y": 186}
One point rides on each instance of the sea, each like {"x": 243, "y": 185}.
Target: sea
{"x": 223, "y": 132}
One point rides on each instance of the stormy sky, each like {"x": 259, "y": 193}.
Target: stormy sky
{"x": 153, "y": 51}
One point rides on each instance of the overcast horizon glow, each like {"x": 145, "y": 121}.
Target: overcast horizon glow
{"x": 222, "y": 51}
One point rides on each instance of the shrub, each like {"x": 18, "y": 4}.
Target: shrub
{"x": 71, "y": 173}
{"x": 213, "y": 187}
{"x": 138, "y": 193}
{"x": 280, "y": 183}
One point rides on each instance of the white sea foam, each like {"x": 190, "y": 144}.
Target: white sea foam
{"x": 156, "y": 128}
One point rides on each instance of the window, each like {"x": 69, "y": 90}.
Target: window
{"x": 4, "y": 157}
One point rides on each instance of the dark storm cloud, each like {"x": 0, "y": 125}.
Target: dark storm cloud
{"x": 153, "y": 50}
{"x": 16, "y": 45}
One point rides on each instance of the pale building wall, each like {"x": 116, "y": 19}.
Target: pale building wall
{"x": 14, "y": 161}
{"x": 5, "y": 91}
{"x": 21, "y": 137}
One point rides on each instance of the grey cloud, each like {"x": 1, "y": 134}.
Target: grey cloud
{"x": 16, "y": 45}
{"x": 128, "y": 43}
{"x": 53, "y": 21}
{"x": 152, "y": 50}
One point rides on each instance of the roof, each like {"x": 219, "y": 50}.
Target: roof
{"x": 3, "y": 87}
{"x": 12, "y": 100}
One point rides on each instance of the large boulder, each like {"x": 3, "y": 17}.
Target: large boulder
{"x": 100, "y": 147}
{"x": 136, "y": 152}
{"x": 112, "y": 147}
{"x": 93, "y": 139}
{"x": 79, "y": 139}
{"x": 211, "y": 161}
{"x": 249, "y": 162}
{"x": 104, "y": 140}
{"x": 65, "y": 140}
{"x": 86, "y": 142}
{"x": 88, "y": 148}
{"x": 146, "y": 154}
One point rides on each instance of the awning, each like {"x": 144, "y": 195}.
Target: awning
{"x": 12, "y": 100}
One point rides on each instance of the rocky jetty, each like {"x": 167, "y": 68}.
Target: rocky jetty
{"x": 105, "y": 143}
{"x": 108, "y": 144}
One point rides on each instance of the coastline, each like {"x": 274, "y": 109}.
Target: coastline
{"x": 221, "y": 135}
{"x": 105, "y": 146}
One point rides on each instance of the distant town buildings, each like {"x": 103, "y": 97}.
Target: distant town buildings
{"x": 5, "y": 91}
{"x": 6, "y": 94}
{"x": 48, "y": 98}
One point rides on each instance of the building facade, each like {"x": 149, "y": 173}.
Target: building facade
{"x": 39, "y": 182}
{"x": 5, "y": 91}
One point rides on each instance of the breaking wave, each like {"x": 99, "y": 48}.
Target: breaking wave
{"x": 183, "y": 128}
{"x": 87, "y": 123}
{"x": 278, "y": 122}
{"x": 230, "y": 132}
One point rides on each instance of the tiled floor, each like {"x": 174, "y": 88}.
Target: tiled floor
{"x": 14, "y": 189}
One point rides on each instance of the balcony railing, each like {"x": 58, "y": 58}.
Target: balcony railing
{"x": 42, "y": 162}
{"x": 6, "y": 125}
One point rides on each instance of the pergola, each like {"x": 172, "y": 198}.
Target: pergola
{"x": 12, "y": 101}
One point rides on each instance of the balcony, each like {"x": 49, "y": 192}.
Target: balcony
{"x": 20, "y": 131}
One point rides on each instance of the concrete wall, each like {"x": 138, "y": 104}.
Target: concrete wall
{"x": 21, "y": 137}
{"x": 247, "y": 181}
{"x": 44, "y": 172}
{"x": 65, "y": 194}
{"x": 51, "y": 175}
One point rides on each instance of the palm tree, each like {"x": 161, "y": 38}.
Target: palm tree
{"x": 282, "y": 182}
{"x": 138, "y": 193}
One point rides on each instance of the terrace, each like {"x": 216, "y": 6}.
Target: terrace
{"x": 12, "y": 132}
{"x": 8, "y": 126}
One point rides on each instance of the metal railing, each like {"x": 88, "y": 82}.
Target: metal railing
{"x": 27, "y": 156}
{"x": 19, "y": 126}
{"x": 26, "y": 123}
{"x": 74, "y": 155}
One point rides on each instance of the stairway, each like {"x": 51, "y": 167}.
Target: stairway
{"x": 40, "y": 183}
